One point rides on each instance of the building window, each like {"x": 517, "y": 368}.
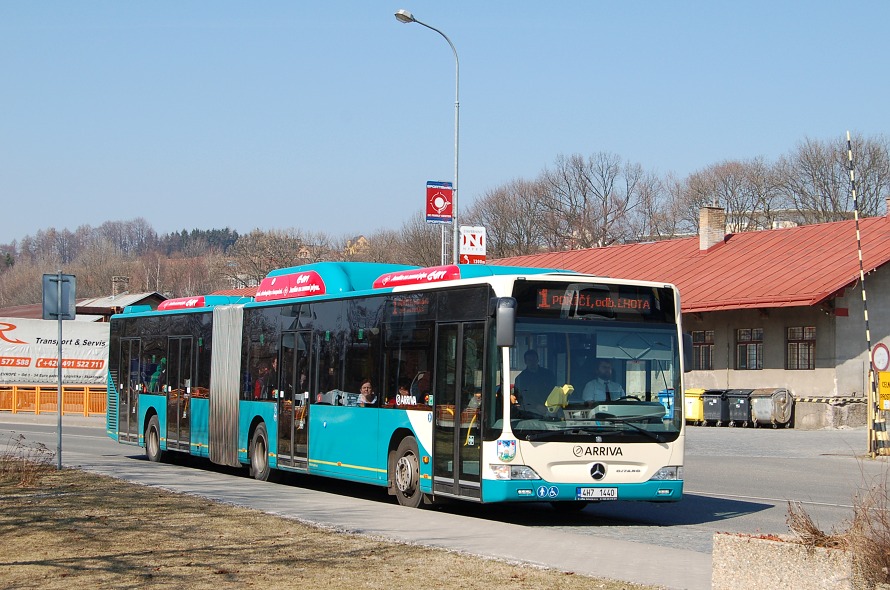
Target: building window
{"x": 801, "y": 348}
{"x": 749, "y": 349}
{"x": 702, "y": 350}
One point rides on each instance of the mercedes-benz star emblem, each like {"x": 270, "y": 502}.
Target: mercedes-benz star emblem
{"x": 598, "y": 471}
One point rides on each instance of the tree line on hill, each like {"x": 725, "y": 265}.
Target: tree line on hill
{"x": 577, "y": 202}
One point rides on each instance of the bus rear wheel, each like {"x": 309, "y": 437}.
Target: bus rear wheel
{"x": 153, "y": 441}
{"x": 405, "y": 471}
{"x": 259, "y": 454}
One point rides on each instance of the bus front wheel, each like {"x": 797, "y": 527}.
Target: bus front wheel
{"x": 153, "y": 441}
{"x": 406, "y": 473}
{"x": 259, "y": 454}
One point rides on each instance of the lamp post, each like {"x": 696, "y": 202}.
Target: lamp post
{"x": 403, "y": 16}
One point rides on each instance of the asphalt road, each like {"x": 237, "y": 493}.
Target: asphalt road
{"x": 737, "y": 480}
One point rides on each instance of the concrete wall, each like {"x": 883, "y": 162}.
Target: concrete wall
{"x": 818, "y": 415}
{"x": 851, "y": 352}
{"x": 774, "y": 322}
{"x": 842, "y": 360}
{"x": 741, "y": 562}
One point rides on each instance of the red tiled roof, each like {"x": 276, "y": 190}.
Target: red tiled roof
{"x": 31, "y": 312}
{"x": 799, "y": 266}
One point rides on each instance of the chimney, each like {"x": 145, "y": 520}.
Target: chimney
{"x": 887, "y": 203}
{"x": 711, "y": 227}
{"x": 119, "y": 285}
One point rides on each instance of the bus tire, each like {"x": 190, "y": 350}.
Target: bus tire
{"x": 153, "y": 441}
{"x": 259, "y": 454}
{"x": 405, "y": 473}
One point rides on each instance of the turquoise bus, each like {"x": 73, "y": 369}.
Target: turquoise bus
{"x": 482, "y": 383}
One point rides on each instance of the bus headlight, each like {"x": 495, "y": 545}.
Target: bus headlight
{"x": 514, "y": 472}
{"x": 672, "y": 472}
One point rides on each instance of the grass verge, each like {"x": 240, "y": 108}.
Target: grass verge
{"x": 73, "y": 529}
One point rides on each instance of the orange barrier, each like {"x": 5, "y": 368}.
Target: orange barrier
{"x": 44, "y": 399}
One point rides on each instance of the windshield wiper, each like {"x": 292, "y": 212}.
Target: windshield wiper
{"x": 557, "y": 433}
{"x": 591, "y": 430}
{"x": 637, "y": 427}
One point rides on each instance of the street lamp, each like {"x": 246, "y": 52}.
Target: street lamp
{"x": 403, "y": 16}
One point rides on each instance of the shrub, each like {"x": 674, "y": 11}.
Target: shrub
{"x": 867, "y": 538}
{"x": 22, "y": 463}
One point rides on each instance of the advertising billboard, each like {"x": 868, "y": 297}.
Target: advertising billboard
{"x": 29, "y": 352}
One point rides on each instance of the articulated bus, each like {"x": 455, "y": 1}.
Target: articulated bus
{"x": 490, "y": 384}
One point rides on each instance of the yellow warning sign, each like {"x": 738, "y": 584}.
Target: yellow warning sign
{"x": 884, "y": 390}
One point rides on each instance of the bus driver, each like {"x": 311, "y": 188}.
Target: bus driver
{"x": 601, "y": 388}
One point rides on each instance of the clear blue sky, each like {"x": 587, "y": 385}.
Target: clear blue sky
{"x": 331, "y": 116}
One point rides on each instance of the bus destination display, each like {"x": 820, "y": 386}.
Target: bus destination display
{"x": 593, "y": 301}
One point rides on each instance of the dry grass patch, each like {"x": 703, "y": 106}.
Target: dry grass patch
{"x": 866, "y": 537}
{"x": 22, "y": 463}
{"x": 71, "y": 529}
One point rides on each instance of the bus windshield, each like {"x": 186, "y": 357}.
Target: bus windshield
{"x": 598, "y": 366}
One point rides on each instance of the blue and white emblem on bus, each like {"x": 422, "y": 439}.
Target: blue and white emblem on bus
{"x": 547, "y": 492}
{"x": 506, "y": 450}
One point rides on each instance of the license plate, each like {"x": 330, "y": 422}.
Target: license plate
{"x": 597, "y": 493}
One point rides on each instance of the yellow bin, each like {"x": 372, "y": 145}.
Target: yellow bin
{"x": 695, "y": 409}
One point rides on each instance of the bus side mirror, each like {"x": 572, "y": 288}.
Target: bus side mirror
{"x": 504, "y": 311}
{"x": 687, "y": 352}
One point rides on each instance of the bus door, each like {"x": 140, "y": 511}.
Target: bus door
{"x": 457, "y": 439}
{"x": 293, "y": 398}
{"x": 130, "y": 382}
{"x": 178, "y": 385}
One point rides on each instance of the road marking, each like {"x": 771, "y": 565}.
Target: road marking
{"x": 54, "y": 432}
{"x": 773, "y": 500}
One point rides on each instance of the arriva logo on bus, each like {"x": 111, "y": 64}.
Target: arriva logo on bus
{"x": 589, "y": 451}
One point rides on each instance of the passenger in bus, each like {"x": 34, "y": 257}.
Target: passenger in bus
{"x": 602, "y": 388}
{"x": 419, "y": 390}
{"x": 272, "y": 380}
{"x": 260, "y": 389}
{"x": 367, "y": 397}
{"x": 403, "y": 393}
{"x": 157, "y": 379}
{"x": 475, "y": 401}
{"x": 533, "y": 385}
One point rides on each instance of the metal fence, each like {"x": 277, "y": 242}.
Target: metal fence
{"x": 82, "y": 400}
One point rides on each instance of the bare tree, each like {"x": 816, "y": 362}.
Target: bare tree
{"x": 150, "y": 272}
{"x": 251, "y": 258}
{"x": 422, "y": 241}
{"x": 650, "y": 218}
{"x": 188, "y": 276}
{"x": 96, "y": 266}
{"x": 22, "y": 284}
{"x": 665, "y": 212}
{"x": 514, "y": 218}
{"x": 747, "y": 190}
{"x": 591, "y": 199}
{"x": 815, "y": 178}
{"x": 871, "y": 162}
{"x": 142, "y": 236}
{"x": 385, "y": 245}
{"x": 765, "y": 186}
